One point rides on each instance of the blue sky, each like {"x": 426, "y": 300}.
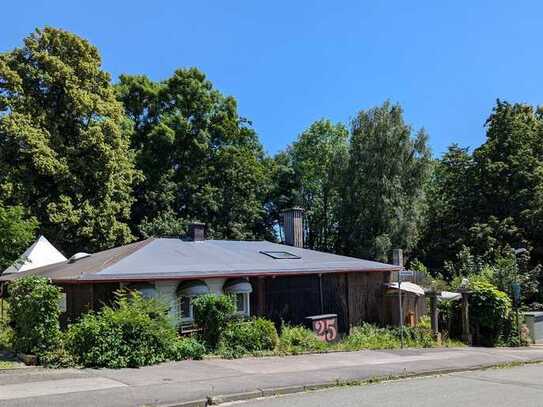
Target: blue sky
{"x": 289, "y": 63}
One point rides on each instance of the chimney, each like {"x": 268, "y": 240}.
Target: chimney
{"x": 197, "y": 232}
{"x": 397, "y": 257}
{"x": 293, "y": 226}
{"x": 397, "y": 260}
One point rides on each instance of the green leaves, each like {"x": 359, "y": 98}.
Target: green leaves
{"x": 17, "y": 232}
{"x": 318, "y": 156}
{"x": 64, "y": 149}
{"x": 382, "y": 184}
{"x": 489, "y": 200}
{"x": 200, "y": 159}
{"x": 212, "y": 313}
{"x": 34, "y": 311}
{"x": 136, "y": 332}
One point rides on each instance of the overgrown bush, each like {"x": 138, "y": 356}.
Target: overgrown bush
{"x": 297, "y": 339}
{"x": 248, "y": 337}
{"x": 6, "y": 333}
{"x": 189, "y": 348}
{"x": 58, "y": 358}
{"x": 416, "y": 336}
{"x": 34, "y": 313}
{"x": 490, "y": 311}
{"x": 6, "y": 336}
{"x": 136, "y": 332}
{"x": 212, "y": 313}
{"x": 368, "y": 336}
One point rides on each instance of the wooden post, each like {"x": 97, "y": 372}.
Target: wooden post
{"x": 397, "y": 258}
{"x": 466, "y": 332}
{"x": 434, "y": 314}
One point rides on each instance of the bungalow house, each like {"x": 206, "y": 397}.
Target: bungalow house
{"x": 281, "y": 282}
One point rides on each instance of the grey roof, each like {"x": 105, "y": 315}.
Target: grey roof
{"x": 171, "y": 258}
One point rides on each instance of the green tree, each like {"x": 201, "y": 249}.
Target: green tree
{"x": 508, "y": 170}
{"x": 316, "y": 159}
{"x": 447, "y": 211}
{"x": 283, "y": 191}
{"x": 383, "y": 184}
{"x": 17, "y": 232}
{"x": 489, "y": 201}
{"x": 200, "y": 159}
{"x": 64, "y": 143}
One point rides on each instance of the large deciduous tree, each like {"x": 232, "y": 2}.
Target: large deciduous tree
{"x": 317, "y": 158}
{"x": 383, "y": 184}
{"x": 64, "y": 146}
{"x": 447, "y": 210}
{"x": 200, "y": 159}
{"x": 489, "y": 201}
{"x": 508, "y": 171}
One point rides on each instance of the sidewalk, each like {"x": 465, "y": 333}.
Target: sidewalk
{"x": 174, "y": 383}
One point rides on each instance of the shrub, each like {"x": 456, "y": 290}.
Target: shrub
{"x": 189, "y": 348}
{"x": 416, "y": 337}
{"x": 6, "y": 336}
{"x": 490, "y": 311}
{"x": 368, "y": 336}
{"x": 58, "y": 358}
{"x": 34, "y": 313}
{"x": 136, "y": 332}
{"x": 212, "y": 313}
{"x": 6, "y": 333}
{"x": 297, "y": 339}
{"x": 240, "y": 338}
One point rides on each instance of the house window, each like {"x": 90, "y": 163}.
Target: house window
{"x": 186, "y": 291}
{"x": 242, "y": 303}
{"x": 241, "y": 290}
{"x": 146, "y": 290}
{"x": 186, "y": 312}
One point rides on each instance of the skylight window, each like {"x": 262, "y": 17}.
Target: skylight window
{"x": 280, "y": 255}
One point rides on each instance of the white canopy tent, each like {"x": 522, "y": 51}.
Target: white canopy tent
{"x": 41, "y": 253}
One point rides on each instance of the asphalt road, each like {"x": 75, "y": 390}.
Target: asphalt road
{"x": 518, "y": 387}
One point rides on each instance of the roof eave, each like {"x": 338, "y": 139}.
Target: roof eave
{"x": 89, "y": 279}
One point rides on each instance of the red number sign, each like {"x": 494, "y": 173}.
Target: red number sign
{"x": 326, "y": 329}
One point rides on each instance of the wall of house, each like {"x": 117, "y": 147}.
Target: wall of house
{"x": 167, "y": 291}
{"x": 355, "y": 297}
{"x": 81, "y": 298}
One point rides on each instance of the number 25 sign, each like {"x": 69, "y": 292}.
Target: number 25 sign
{"x": 326, "y": 329}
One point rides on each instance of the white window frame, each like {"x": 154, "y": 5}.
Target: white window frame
{"x": 246, "y": 303}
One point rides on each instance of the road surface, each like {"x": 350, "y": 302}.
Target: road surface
{"x": 518, "y": 387}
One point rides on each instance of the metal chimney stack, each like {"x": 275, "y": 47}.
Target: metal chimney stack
{"x": 293, "y": 226}
{"x": 196, "y": 232}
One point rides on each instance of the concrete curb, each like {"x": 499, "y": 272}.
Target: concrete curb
{"x": 278, "y": 391}
{"x": 193, "y": 403}
{"x": 227, "y": 398}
